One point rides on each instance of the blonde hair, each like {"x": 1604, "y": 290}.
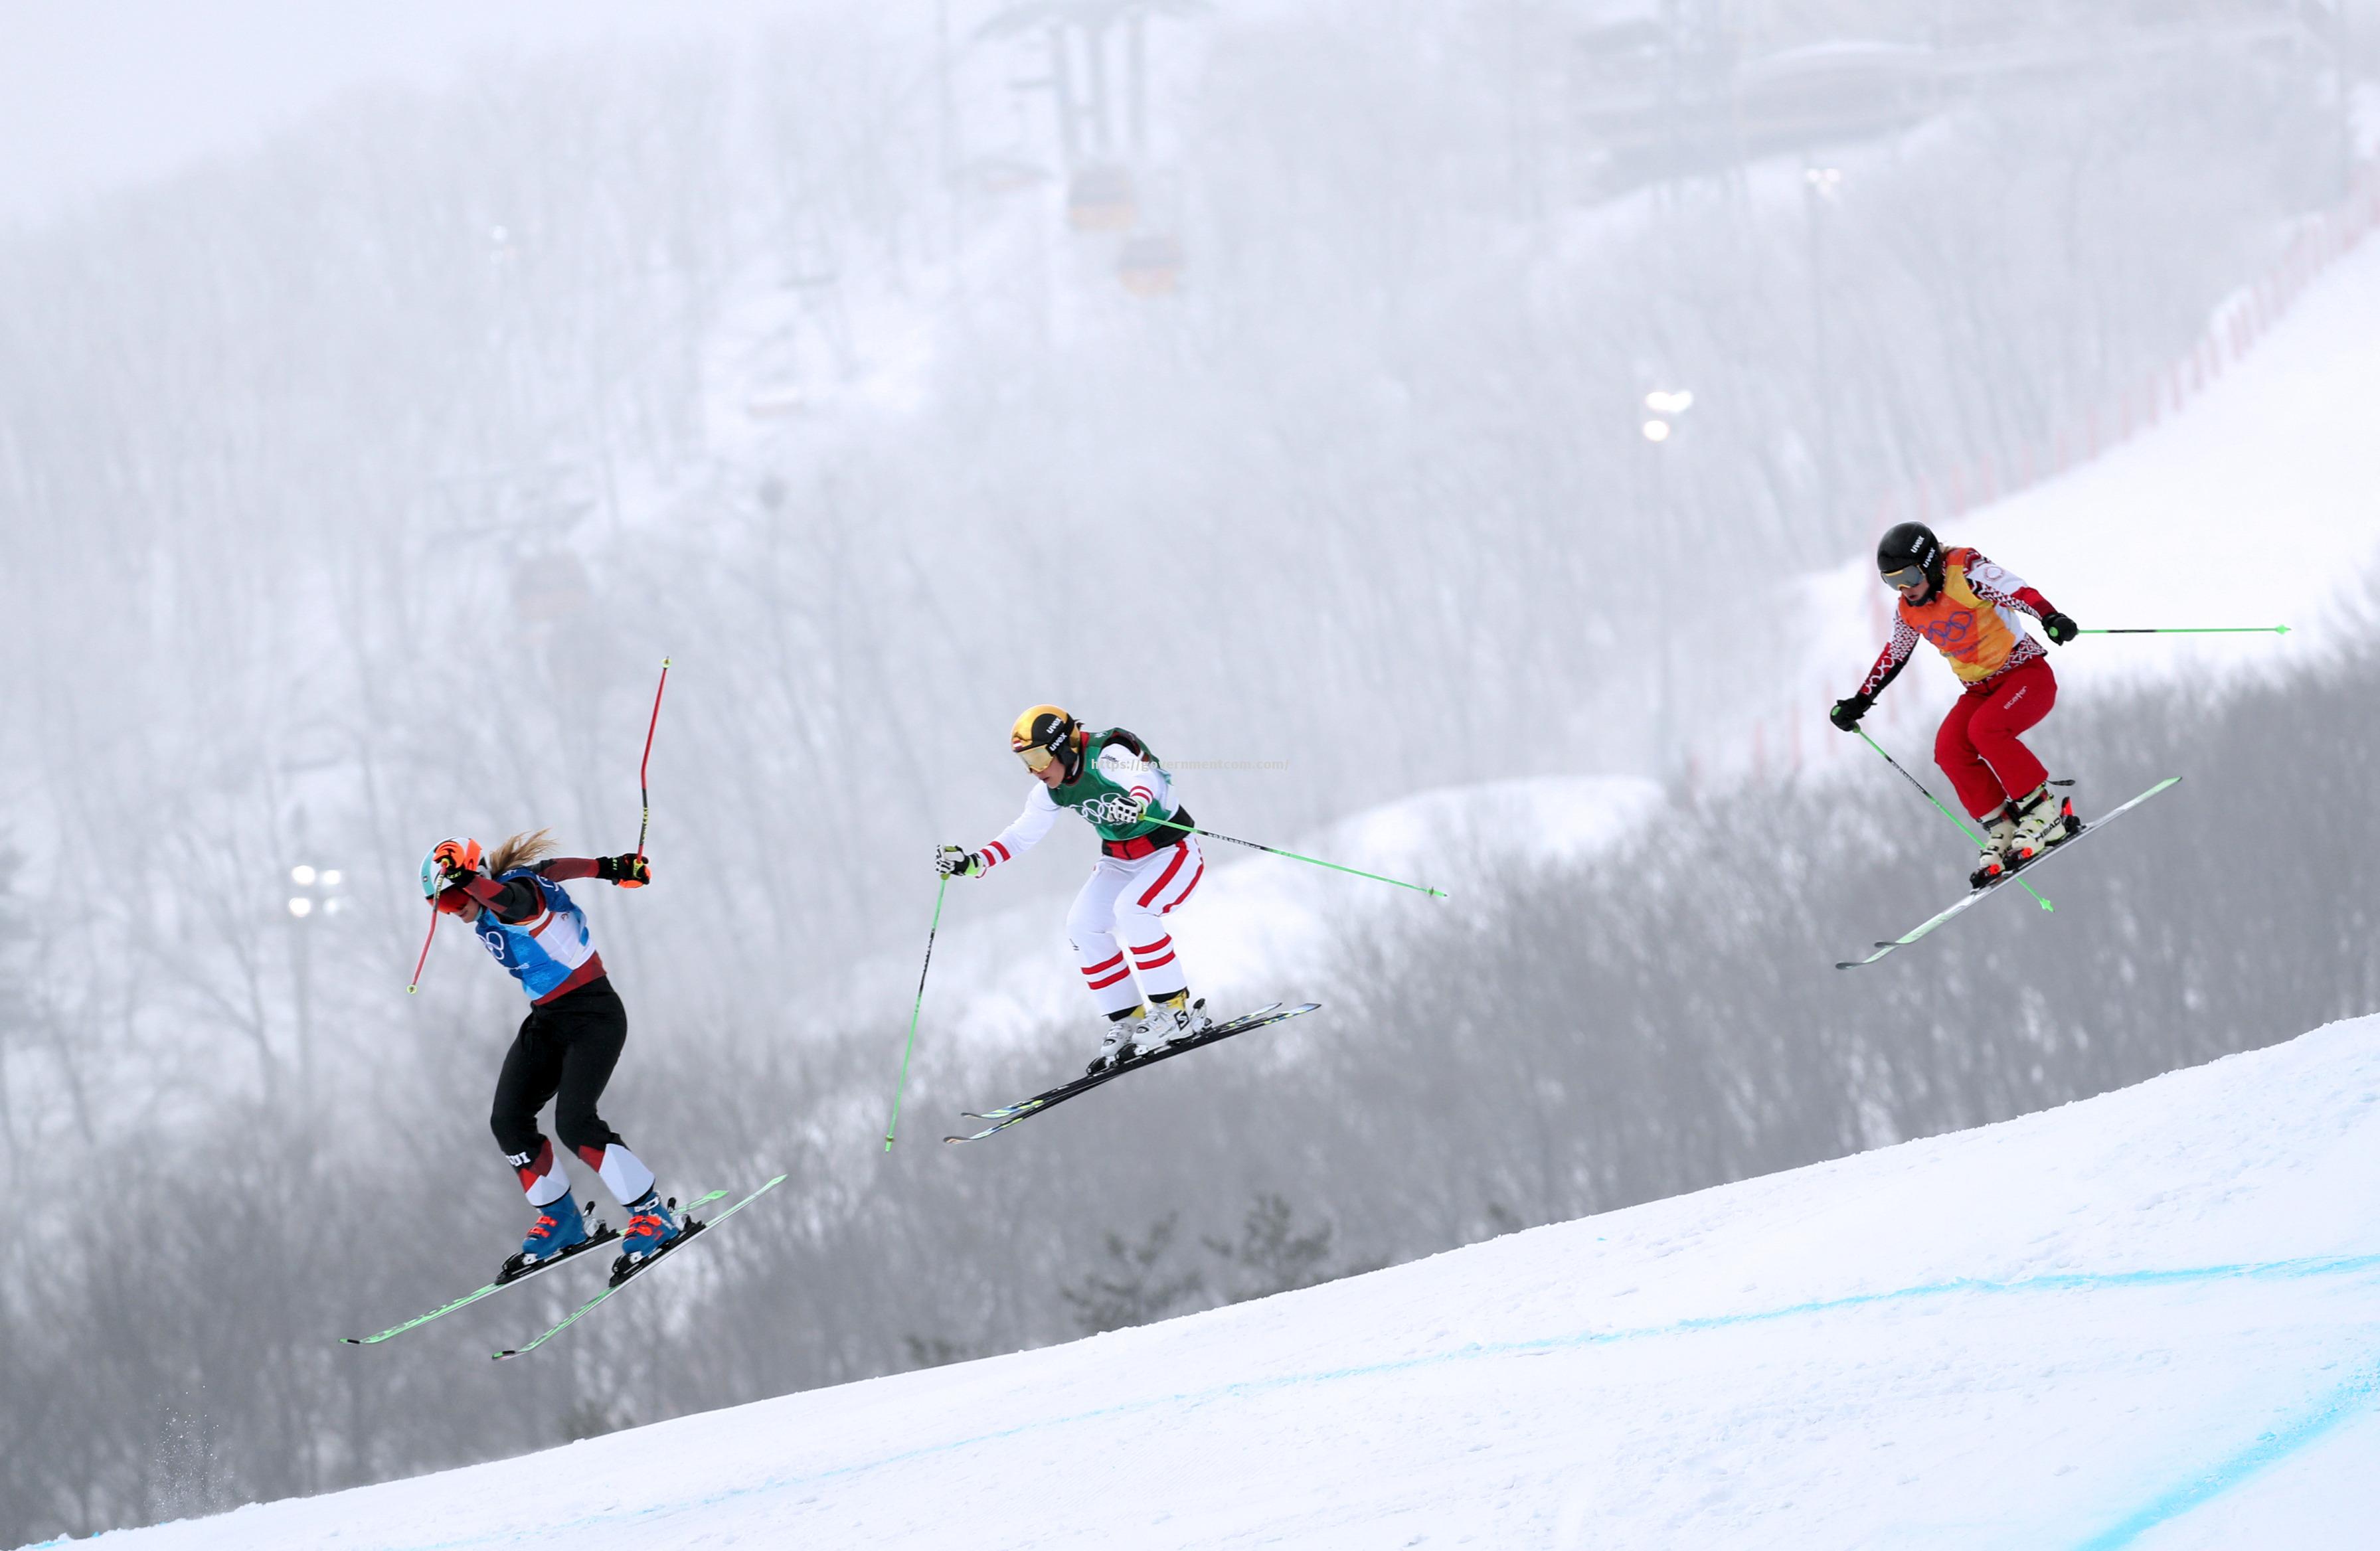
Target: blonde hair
{"x": 521, "y": 851}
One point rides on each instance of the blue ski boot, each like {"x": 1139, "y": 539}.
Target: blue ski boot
{"x": 559, "y": 1228}
{"x": 652, "y": 1226}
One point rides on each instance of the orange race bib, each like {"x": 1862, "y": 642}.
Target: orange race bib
{"x": 1963, "y": 626}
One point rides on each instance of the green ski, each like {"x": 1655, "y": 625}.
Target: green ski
{"x": 603, "y": 1234}
{"x": 695, "y": 1229}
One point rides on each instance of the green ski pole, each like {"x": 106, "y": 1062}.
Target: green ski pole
{"x": 2195, "y": 630}
{"x": 1315, "y": 861}
{"x": 1946, "y": 812}
{"x": 895, "y": 1122}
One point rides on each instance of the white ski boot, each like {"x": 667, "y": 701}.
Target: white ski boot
{"x": 2043, "y": 819}
{"x": 1120, "y": 1041}
{"x": 1175, "y": 1017}
{"x": 1999, "y": 828}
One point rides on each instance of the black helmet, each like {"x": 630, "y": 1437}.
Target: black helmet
{"x": 1907, "y": 551}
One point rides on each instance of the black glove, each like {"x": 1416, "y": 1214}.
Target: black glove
{"x": 2061, "y": 629}
{"x": 629, "y": 871}
{"x": 957, "y": 861}
{"x": 1846, "y": 714}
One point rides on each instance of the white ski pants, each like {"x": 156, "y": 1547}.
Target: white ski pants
{"x": 1118, "y": 925}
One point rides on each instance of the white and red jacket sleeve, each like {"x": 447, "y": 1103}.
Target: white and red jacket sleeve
{"x": 1025, "y": 832}
{"x": 1890, "y": 660}
{"x": 2005, "y": 590}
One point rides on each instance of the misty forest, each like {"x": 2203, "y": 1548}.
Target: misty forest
{"x": 1267, "y": 378}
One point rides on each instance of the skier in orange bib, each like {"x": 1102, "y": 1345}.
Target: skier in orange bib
{"x": 1974, "y": 612}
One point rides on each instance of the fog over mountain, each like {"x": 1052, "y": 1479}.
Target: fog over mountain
{"x": 1271, "y": 379}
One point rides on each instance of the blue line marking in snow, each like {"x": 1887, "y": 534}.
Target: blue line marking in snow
{"x": 2268, "y": 1450}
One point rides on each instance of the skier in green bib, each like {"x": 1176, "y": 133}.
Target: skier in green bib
{"x": 1149, "y": 863}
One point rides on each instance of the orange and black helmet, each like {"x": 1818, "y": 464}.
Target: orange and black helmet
{"x": 1047, "y": 733}
{"x": 447, "y": 856}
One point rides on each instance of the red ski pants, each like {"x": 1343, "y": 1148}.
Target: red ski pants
{"x": 1977, "y": 747}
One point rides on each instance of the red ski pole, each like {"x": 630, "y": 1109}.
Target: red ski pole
{"x": 425, "y": 949}
{"x": 644, "y": 793}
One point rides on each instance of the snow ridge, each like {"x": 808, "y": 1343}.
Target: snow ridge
{"x": 2151, "y": 1319}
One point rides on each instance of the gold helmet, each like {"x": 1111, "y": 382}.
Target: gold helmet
{"x": 1043, "y": 734}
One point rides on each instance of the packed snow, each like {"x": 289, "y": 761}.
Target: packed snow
{"x": 2149, "y": 1319}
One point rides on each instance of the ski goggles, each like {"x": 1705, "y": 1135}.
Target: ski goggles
{"x": 1035, "y": 758}
{"x": 1906, "y": 577}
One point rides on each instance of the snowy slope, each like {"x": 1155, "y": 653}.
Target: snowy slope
{"x": 2149, "y": 1319}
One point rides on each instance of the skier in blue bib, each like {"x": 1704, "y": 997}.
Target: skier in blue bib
{"x": 567, "y": 1046}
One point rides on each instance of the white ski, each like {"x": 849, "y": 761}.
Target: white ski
{"x": 1978, "y": 896}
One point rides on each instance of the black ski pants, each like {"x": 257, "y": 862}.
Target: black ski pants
{"x": 564, "y": 1051}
